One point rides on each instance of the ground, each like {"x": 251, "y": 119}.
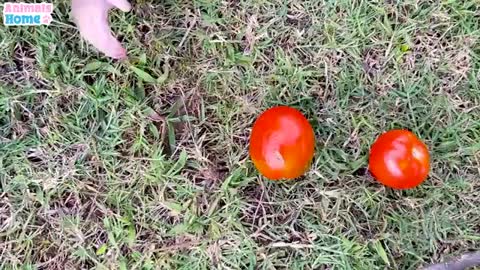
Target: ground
{"x": 143, "y": 164}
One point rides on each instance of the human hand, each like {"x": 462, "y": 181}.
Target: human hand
{"x": 91, "y": 17}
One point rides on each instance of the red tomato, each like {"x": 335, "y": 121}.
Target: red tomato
{"x": 398, "y": 159}
{"x": 282, "y": 143}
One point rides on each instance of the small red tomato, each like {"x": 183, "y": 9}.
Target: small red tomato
{"x": 282, "y": 143}
{"x": 398, "y": 159}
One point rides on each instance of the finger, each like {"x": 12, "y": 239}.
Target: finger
{"x": 123, "y": 5}
{"x": 91, "y": 17}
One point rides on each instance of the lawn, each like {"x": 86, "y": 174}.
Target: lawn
{"x": 143, "y": 164}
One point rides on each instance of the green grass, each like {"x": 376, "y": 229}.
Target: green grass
{"x": 103, "y": 167}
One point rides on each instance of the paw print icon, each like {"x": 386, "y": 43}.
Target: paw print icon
{"x": 47, "y": 19}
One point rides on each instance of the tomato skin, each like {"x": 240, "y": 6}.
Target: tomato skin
{"x": 282, "y": 143}
{"x": 398, "y": 159}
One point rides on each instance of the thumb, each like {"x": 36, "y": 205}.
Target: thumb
{"x": 123, "y": 5}
{"x": 91, "y": 19}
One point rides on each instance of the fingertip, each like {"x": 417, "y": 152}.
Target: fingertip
{"x": 119, "y": 54}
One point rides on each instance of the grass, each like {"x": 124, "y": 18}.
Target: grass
{"x": 144, "y": 164}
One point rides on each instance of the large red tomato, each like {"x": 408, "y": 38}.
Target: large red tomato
{"x": 282, "y": 143}
{"x": 398, "y": 159}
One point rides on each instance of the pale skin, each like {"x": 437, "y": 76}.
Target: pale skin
{"x": 91, "y": 18}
